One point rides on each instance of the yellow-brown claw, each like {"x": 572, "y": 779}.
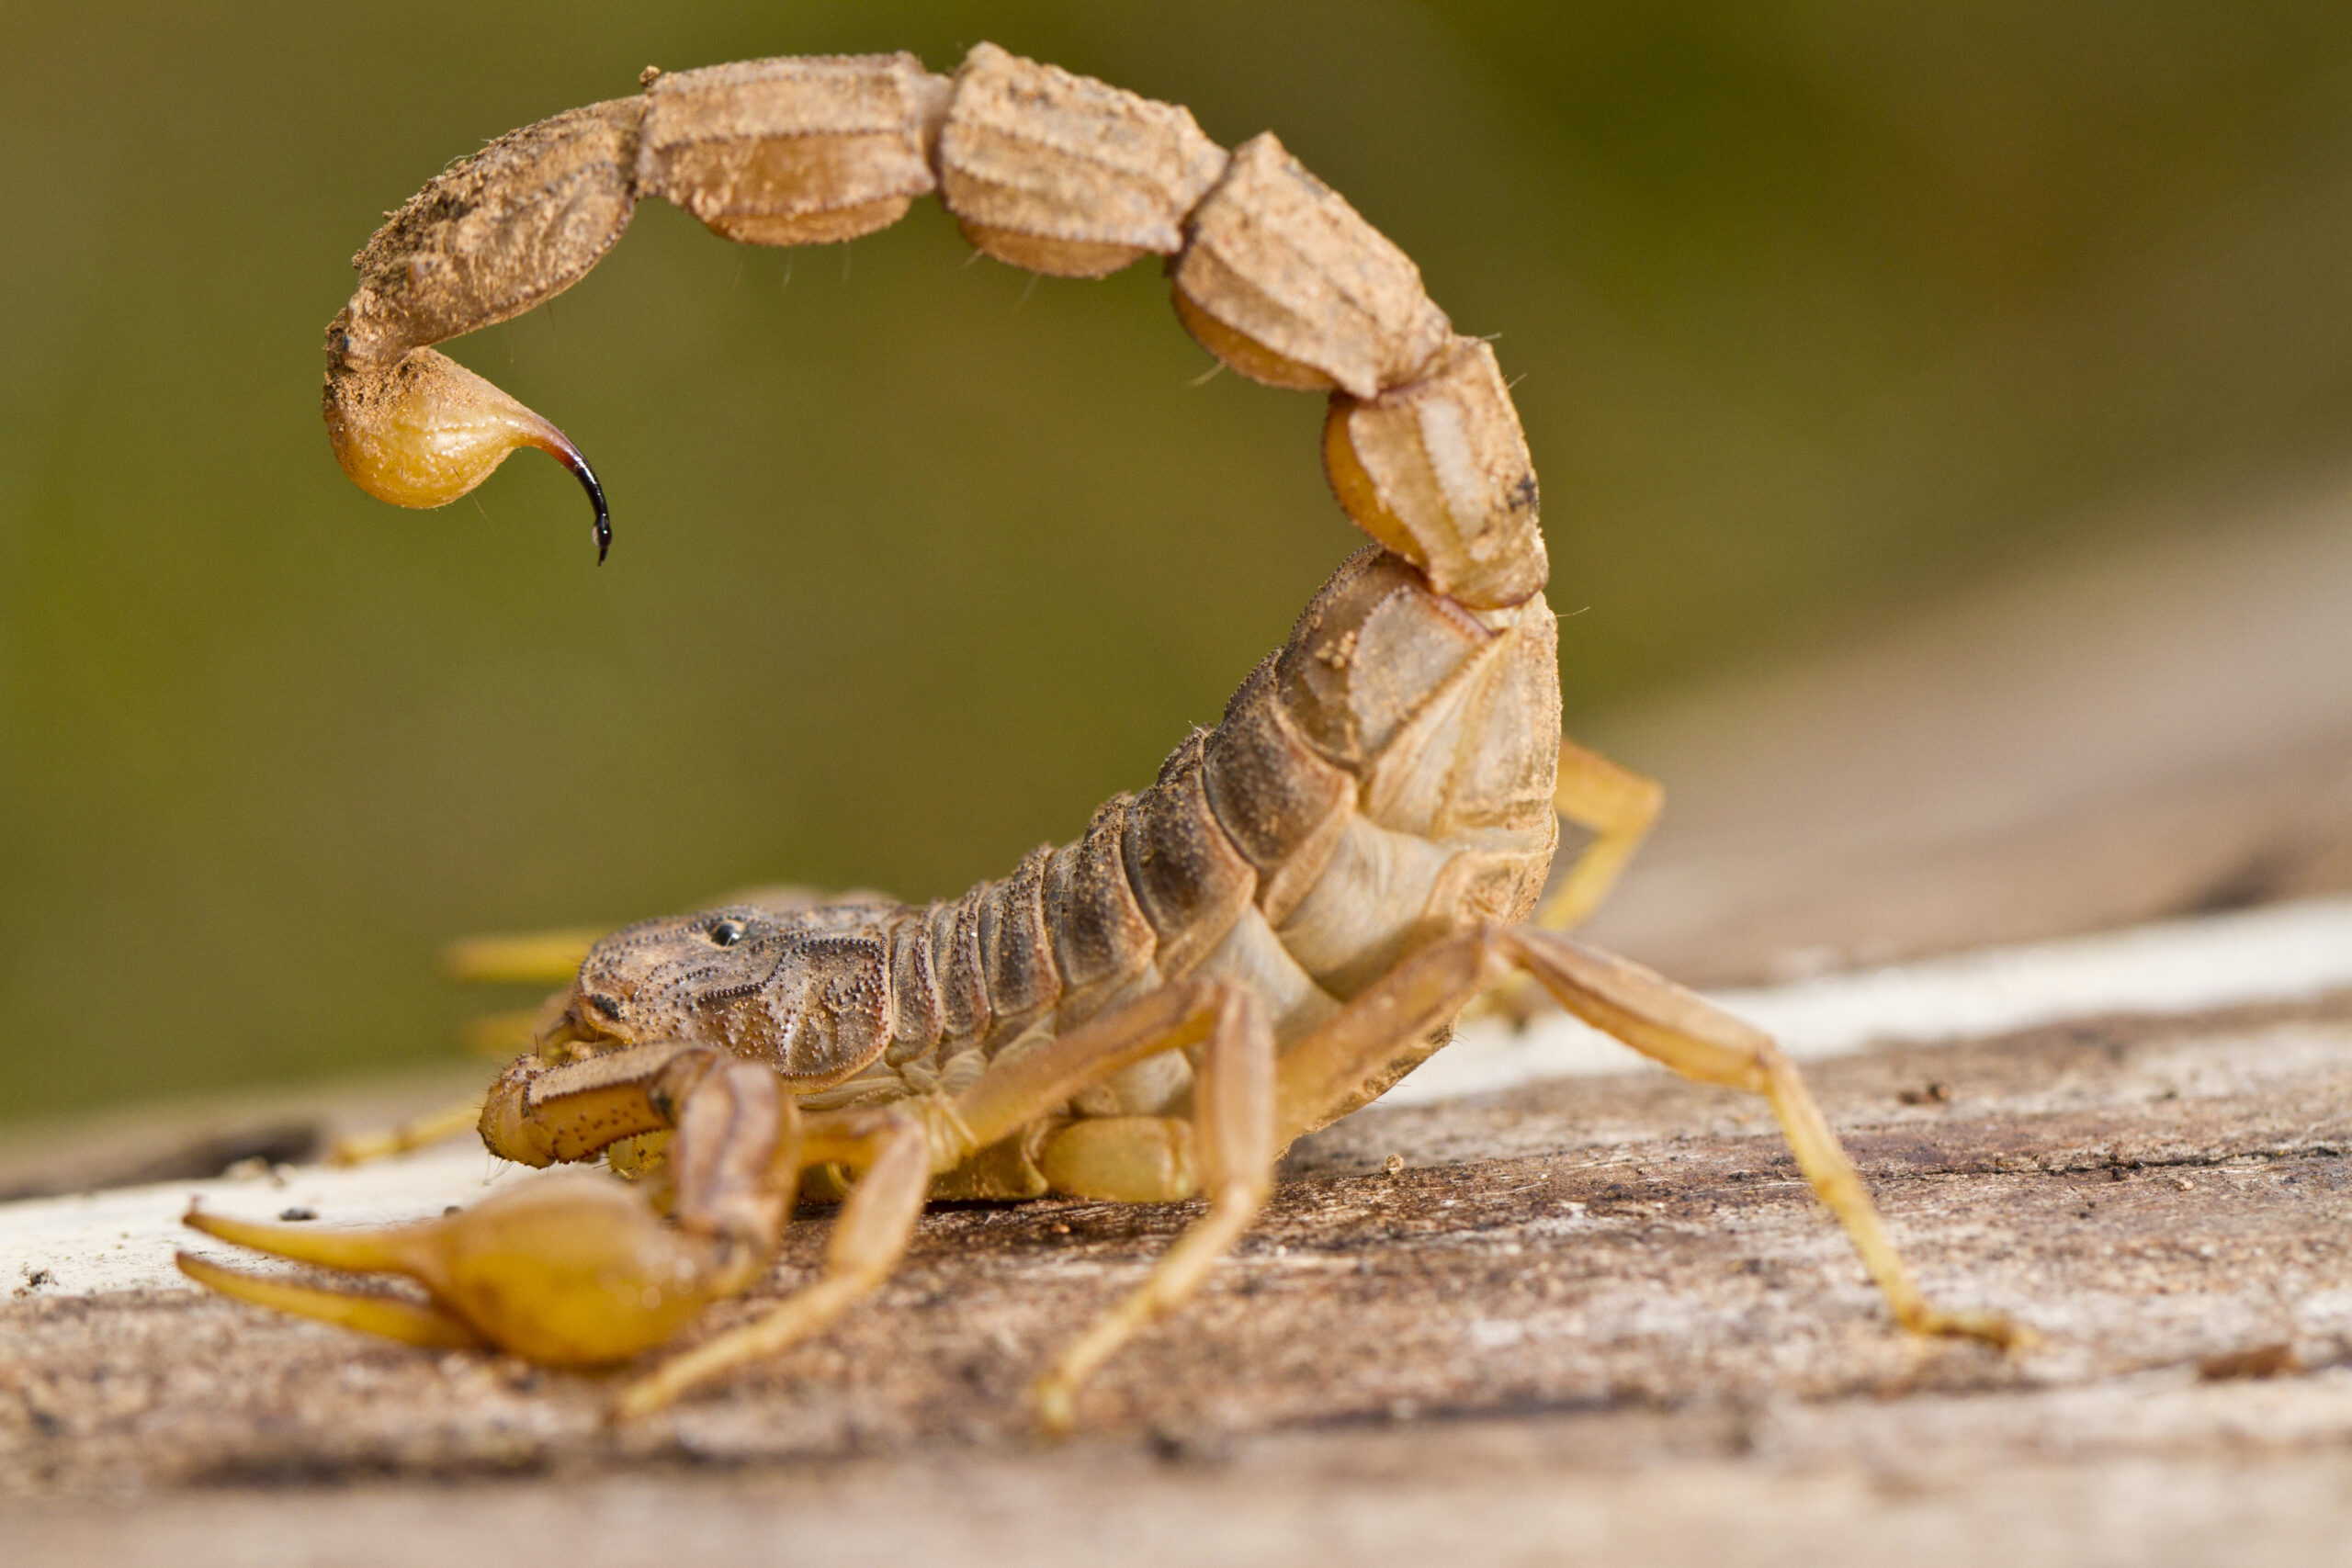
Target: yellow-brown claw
{"x": 411, "y": 1323}
{"x": 570, "y": 1270}
{"x": 429, "y": 430}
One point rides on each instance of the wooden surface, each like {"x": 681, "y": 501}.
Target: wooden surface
{"x": 1587, "y": 1318}
{"x": 1596, "y": 1320}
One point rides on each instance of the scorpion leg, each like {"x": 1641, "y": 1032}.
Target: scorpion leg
{"x": 1654, "y": 1016}
{"x": 532, "y": 958}
{"x": 1150, "y": 1159}
{"x": 498, "y": 1035}
{"x": 416, "y": 1133}
{"x": 573, "y": 1271}
{"x": 898, "y": 1151}
{"x": 1617, "y": 806}
{"x": 891, "y": 1150}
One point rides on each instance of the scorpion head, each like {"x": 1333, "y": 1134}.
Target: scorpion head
{"x": 806, "y": 991}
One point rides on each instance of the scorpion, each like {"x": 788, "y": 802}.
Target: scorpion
{"x": 1287, "y": 921}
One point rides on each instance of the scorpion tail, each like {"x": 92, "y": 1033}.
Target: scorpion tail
{"x": 1437, "y": 470}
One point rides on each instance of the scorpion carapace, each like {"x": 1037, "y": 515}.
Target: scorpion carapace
{"x": 1282, "y": 925}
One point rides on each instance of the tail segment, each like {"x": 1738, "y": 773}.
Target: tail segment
{"x": 1273, "y": 272}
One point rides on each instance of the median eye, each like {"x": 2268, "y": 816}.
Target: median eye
{"x": 726, "y": 934}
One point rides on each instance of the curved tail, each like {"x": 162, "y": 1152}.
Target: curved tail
{"x": 1272, "y": 271}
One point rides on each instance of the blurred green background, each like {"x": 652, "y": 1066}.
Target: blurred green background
{"x": 1821, "y": 311}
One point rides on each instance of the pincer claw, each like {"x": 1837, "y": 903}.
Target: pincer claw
{"x": 568, "y": 1270}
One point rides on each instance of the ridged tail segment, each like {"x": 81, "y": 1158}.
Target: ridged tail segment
{"x": 1270, "y": 269}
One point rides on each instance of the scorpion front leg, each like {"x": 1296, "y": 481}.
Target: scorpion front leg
{"x": 1143, "y": 1159}
{"x": 896, "y": 1150}
{"x": 892, "y": 1153}
{"x": 574, "y": 1270}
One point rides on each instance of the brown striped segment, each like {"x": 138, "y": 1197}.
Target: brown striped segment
{"x": 1188, "y": 877}
{"x": 495, "y": 233}
{"x": 1281, "y": 804}
{"x": 1438, "y": 471}
{"x": 1371, "y": 650}
{"x": 1282, "y": 280}
{"x": 1506, "y": 778}
{"x": 1059, "y": 173}
{"x": 916, "y": 1018}
{"x": 955, "y": 962}
{"x": 1016, "y": 950}
{"x": 1100, "y": 937}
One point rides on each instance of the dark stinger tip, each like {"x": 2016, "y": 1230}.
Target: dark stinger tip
{"x": 595, "y": 497}
{"x": 555, "y": 445}
{"x": 604, "y": 512}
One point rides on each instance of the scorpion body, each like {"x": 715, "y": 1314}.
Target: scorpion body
{"x": 1349, "y": 808}
{"x": 1283, "y": 924}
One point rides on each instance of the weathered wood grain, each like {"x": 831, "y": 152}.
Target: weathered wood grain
{"x": 1574, "y": 1302}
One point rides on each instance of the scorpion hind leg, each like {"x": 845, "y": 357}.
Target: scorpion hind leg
{"x": 1616, "y": 806}
{"x": 1323, "y": 1074}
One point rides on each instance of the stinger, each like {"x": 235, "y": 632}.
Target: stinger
{"x": 429, "y": 430}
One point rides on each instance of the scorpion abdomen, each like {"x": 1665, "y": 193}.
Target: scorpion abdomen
{"x": 1381, "y": 779}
